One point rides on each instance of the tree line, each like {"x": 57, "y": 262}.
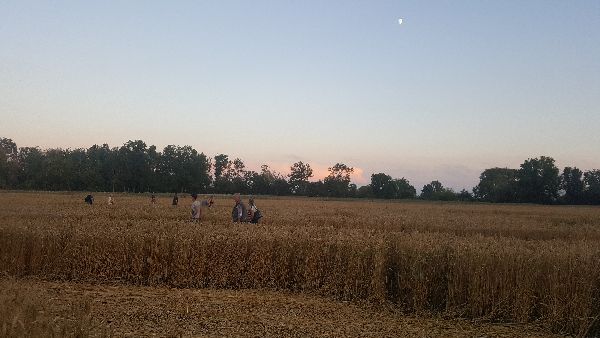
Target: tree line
{"x": 137, "y": 167}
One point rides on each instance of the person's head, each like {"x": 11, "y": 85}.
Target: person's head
{"x": 194, "y": 196}
{"x": 236, "y": 197}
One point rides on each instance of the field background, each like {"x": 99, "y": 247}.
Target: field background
{"x": 524, "y": 264}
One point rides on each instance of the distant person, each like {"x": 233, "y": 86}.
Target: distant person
{"x": 208, "y": 202}
{"x": 153, "y": 199}
{"x": 238, "y": 214}
{"x": 196, "y": 208}
{"x": 253, "y": 213}
{"x": 89, "y": 199}
{"x": 175, "y": 200}
{"x": 111, "y": 201}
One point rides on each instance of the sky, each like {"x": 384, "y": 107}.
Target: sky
{"x": 458, "y": 87}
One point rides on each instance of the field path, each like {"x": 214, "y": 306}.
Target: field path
{"x": 123, "y": 310}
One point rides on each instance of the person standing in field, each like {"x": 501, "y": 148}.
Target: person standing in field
{"x": 110, "y": 200}
{"x": 238, "y": 214}
{"x": 175, "y": 200}
{"x": 253, "y": 213}
{"x": 208, "y": 202}
{"x": 153, "y": 199}
{"x": 89, "y": 199}
{"x": 196, "y": 208}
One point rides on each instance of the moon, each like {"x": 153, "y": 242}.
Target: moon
{"x": 400, "y": 21}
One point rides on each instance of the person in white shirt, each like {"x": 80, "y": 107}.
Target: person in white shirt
{"x": 238, "y": 214}
{"x": 253, "y": 213}
{"x": 196, "y": 208}
{"x": 110, "y": 200}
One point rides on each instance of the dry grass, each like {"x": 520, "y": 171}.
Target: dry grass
{"x": 492, "y": 262}
{"x": 80, "y": 309}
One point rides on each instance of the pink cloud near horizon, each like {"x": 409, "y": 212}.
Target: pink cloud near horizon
{"x": 320, "y": 171}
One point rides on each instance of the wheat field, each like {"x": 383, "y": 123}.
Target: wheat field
{"x": 497, "y": 263}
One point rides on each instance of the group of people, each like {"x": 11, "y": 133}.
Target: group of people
{"x": 239, "y": 214}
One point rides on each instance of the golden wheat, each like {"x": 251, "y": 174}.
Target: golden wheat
{"x": 499, "y": 262}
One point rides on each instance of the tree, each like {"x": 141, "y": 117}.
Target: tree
{"x": 9, "y": 148}
{"x": 365, "y": 192}
{"x": 538, "y": 180}
{"x": 571, "y": 181}
{"x": 299, "y": 175}
{"x": 58, "y": 174}
{"x": 31, "y": 163}
{"x": 260, "y": 183}
{"x": 102, "y": 161}
{"x": 224, "y": 175}
{"x": 352, "y": 190}
{"x": 338, "y": 181}
{"x": 465, "y": 196}
{"x": 383, "y": 186}
{"x": 78, "y": 169}
{"x": 197, "y": 168}
{"x": 317, "y": 189}
{"x": 221, "y": 164}
{"x": 169, "y": 169}
{"x": 134, "y": 167}
{"x": 279, "y": 186}
{"x": 182, "y": 169}
{"x": 237, "y": 175}
{"x": 497, "y": 185}
{"x": 430, "y": 190}
{"x": 591, "y": 179}
{"x": 8, "y": 163}
{"x": 404, "y": 188}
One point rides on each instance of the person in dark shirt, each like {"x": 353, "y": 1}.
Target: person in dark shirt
{"x": 89, "y": 199}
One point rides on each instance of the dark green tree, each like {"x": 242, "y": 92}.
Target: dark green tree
{"x": 538, "y": 180}
{"x": 571, "y": 181}
{"x": 299, "y": 175}
{"x": 78, "y": 167}
{"x": 465, "y": 196}
{"x": 221, "y": 165}
{"x": 383, "y": 186}
{"x": 352, "y": 190}
{"x": 261, "y": 182}
{"x": 432, "y": 189}
{"x": 591, "y": 178}
{"x": 404, "y": 189}
{"x": 9, "y": 167}
{"x": 57, "y": 169}
{"x": 365, "y": 191}
{"x": 224, "y": 174}
{"x": 102, "y": 163}
{"x": 497, "y": 185}
{"x": 134, "y": 166}
{"x": 31, "y": 163}
{"x": 237, "y": 176}
{"x": 317, "y": 189}
{"x": 337, "y": 182}
{"x": 279, "y": 186}
{"x": 183, "y": 169}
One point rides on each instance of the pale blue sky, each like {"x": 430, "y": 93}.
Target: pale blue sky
{"x": 458, "y": 87}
